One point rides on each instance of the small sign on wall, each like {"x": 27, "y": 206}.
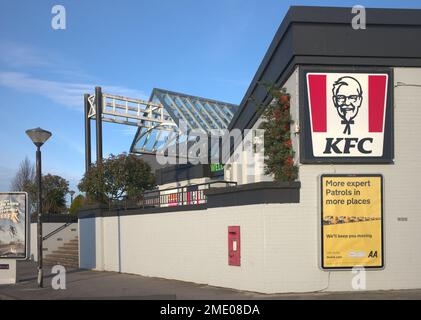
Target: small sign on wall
{"x": 352, "y": 221}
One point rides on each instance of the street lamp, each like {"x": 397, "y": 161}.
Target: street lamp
{"x": 72, "y": 193}
{"x": 39, "y": 137}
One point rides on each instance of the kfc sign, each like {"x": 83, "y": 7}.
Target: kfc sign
{"x": 347, "y": 117}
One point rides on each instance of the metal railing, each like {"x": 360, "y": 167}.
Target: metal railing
{"x": 54, "y": 232}
{"x": 180, "y": 196}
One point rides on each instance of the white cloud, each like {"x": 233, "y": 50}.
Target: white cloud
{"x": 17, "y": 55}
{"x": 68, "y": 94}
{"x": 63, "y": 93}
{"x": 62, "y": 81}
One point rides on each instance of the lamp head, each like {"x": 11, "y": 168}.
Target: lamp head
{"x": 38, "y": 136}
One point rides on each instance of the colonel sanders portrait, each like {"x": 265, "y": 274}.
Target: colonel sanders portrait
{"x": 347, "y": 98}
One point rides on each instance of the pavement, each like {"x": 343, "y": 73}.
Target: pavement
{"x": 87, "y": 285}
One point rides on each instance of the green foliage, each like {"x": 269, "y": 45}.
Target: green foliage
{"x": 117, "y": 177}
{"x": 54, "y": 191}
{"x": 279, "y": 154}
{"x": 77, "y": 203}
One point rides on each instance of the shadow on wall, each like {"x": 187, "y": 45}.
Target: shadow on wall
{"x": 87, "y": 252}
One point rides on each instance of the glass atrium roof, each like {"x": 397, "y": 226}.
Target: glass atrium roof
{"x": 179, "y": 109}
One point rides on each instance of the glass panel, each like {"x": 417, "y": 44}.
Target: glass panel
{"x": 214, "y": 116}
{"x": 205, "y": 115}
{"x": 218, "y": 108}
{"x": 195, "y": 113}
{"x": 192, "y": 123}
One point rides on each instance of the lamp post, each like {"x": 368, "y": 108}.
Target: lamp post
{"x": 72, "y": 193}
{"x": 39, "y": 137}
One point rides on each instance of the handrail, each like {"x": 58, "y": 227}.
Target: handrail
{"x": 52, "y": 233}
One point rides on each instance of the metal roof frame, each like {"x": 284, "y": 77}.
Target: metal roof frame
{"x": 184, "y": 107}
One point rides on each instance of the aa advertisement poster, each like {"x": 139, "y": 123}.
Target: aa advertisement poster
{"x": 352, "y": 221}
{"x": 13, "y": 225}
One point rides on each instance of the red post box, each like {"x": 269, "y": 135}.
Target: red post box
{"x": 234, "y": 246}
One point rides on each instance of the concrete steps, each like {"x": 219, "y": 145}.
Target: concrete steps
{"x": 67, "y": 255}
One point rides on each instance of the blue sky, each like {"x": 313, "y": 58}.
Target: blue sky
{"x": 210, "y": 48}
